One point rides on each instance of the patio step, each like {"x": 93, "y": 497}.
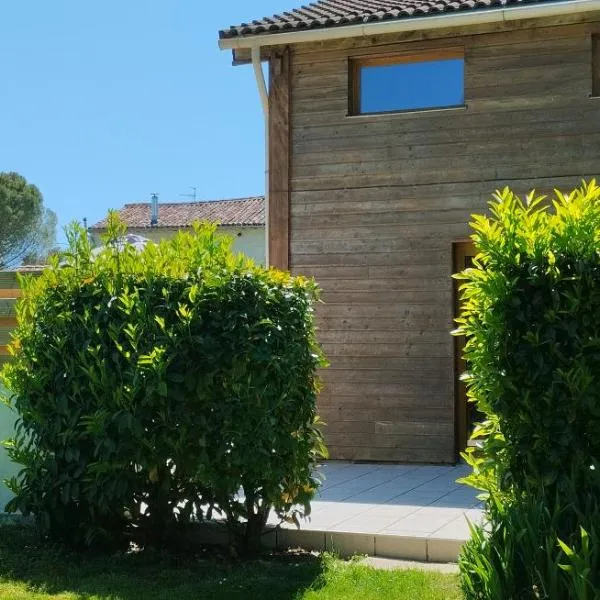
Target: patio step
{"x": 347, "y": 544}
{"x": 407, "y": 512}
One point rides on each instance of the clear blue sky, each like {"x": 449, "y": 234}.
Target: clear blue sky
{"x": 104, "y": 101}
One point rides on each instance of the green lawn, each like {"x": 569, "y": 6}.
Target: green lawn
{"x": 29, "y": 571}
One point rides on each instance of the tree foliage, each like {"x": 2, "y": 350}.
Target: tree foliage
{"x": 530, "y": 313}
{"x": 161, "y": 387}
{"x": 27, "y": 228}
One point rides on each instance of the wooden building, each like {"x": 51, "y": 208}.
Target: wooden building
{"x": 390, "y": 123}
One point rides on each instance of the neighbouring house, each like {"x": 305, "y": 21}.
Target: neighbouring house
{"x": 390, "y": 123}
{"x": 241, "y": 218}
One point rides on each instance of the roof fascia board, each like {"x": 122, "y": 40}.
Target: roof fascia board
{"x": 458, "y": 19}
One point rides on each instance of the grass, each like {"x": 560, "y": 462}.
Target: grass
{"x": 31, "y": 571}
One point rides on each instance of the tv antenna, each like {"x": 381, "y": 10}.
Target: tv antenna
{"x": 193, "y": 195}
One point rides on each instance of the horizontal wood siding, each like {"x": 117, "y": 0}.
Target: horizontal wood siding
{"x": 9, "y": 293}
{"x": 377, "y": 202}
{"x": 7, "y": 324}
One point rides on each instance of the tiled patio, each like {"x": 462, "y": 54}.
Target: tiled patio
{"x": 407, "y": 512}
{"x": 400, "y": 511}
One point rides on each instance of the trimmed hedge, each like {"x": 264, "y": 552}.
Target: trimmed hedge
{"x": 156, "y": 388}
{"x": 531, "y": 308}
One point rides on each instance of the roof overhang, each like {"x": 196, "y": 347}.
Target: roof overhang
{"x": 463, "y": 18}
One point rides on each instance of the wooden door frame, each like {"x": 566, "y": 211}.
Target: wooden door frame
{"x": 460, "y": 250}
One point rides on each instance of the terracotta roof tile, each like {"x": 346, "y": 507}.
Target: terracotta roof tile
{"x": 336, "y": 13}
{"x": 240, "y": 211}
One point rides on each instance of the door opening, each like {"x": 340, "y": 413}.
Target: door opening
{"x": 466, "y": 413}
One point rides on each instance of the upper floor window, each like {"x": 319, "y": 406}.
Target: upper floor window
{"x": 404, "y": 83}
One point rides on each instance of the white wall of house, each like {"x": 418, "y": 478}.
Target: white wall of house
{"x": 247, "y": 240}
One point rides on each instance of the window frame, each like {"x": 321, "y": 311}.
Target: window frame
{"x": 356, "y": 63}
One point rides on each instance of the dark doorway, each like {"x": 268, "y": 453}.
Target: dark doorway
{"x": 466, "y": 413}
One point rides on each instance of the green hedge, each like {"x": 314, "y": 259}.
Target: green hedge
{"x": 163, "y": 387}
{"x": 531, "y": 308}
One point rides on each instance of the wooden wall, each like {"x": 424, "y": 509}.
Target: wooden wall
{"x": 377, "y": 202}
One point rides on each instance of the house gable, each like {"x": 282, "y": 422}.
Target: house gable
{"x": 378, "y": 203}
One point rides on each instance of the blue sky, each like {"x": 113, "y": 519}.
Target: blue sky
{"x": 104, "y": 102}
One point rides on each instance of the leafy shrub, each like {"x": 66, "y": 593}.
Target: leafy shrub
{"x": 530, "y": 314}
{"x": 156, "y": 387}
{"x": 518, "y": 554}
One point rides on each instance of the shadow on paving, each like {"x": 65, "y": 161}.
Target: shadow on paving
{"x": 25, "y": 562}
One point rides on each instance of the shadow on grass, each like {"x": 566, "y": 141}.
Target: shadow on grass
{"x": 28, "y": 565}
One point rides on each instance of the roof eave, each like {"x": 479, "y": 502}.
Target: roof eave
{"x": 444, "y": 20}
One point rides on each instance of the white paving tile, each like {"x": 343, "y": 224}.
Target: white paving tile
{"x": 398, "y": 511}
{"x": 375, "y": 478}
{"x": 365, "y": 524}
{"x": 443, "y": 484}
{"x": 474, "y": 515}
{"x": 423, "y": 497}
{"x": 434, "y": 470}
{"x": 426, "y": 520}
{"x": 463, "y": 497}
{"x": 397, "y": 500}
{"x": 378, "y": 495}
{"x": 459, "y": 527}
